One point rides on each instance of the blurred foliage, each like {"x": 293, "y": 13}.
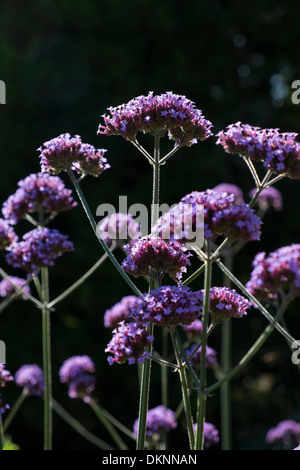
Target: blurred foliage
{"x": 64, "y": 63}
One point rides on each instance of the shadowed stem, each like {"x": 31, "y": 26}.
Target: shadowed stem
{"x": 252, "y": 351}
{"x": 46, "y": 339}
{"x": 201, "y": 402}
{"x": 15, "y": 409}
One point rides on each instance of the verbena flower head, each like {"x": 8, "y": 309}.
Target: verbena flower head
{"x": 119, "y": 228}
{"x": 231, "y": 189}
{"x": 74, "y": 367}
{"x": 278, "y": 151}
{"x": 65, "y": 152}
{"x": 268, "y": 198}
{"x": 280, "y": 270}
{"x": 168, "y": 306}
{"x": 7, "y": 288}
{"x": 226, "y": 303}
{"x": 159, "y": 420}
{"x": 155, "y": 257}
{"x": 39, "y": 248}
{"x": 31, "y": 378}
{"x": 211, "y": 434}
{"x": 222, "y": 217}
{"x": 5, "y": 376}
{"x": 129, "y": 343}
{"x": 120, "y": 311}
{"x": 82, "y": 387}
{"x": 211, "y": 359}
{"x": 287, "y": 431}
{"x": 39, "y": 191}
{"x": 157, "y": 114}
{"x": 7, "y": 235}
{"x": 194, "y": 329}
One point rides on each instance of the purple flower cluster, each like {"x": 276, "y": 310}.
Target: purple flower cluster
{"x": 119, "y": 228}
{"x": 157, "y": 114}
{"x": 9, "y": 288}
{"x": 231, "y": 189}
{"x": 226, "y": 303}
{"x": 168, "y": 306}
{"x": 39, "y": 248}
{"x": 39, "y": 191}
{"x": 159, "y": 420}
{"x": 31, "y": 378}
{"x": 65, "y": 152}
{"x": 280, "y": 270}
{"x": 7, "y": 235}
{"x": 210, "y": 357}
{"x": 129, "y": 343}
{"x": 268, "y": 198}
{"x": 77, "y": 372}
{"x": 120, "y": 311}
{"x": 222, "y": 216}
{"x": 194, "y": 329}
{"x": 151, "y": 256}
{"x": 287, "y": 431}
{"x": 211, "y": 434}
{"x": 279, "y": 152}
{"x": 5, "y": 376}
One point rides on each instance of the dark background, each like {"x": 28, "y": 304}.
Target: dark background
{"x": 64, "y": 63}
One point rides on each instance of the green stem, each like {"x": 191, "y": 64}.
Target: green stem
{"x": 79, "y": 282}
{"x": 201, "y": 404}
{"x": 252, "y": 351}
{"x": 106, "y": 423}
{"x": 97, "y": 233}
{"x": 79, "y": 428}
{"x": 46, "y": 336}
{"x": 20, "y": 290}
{"x": 226, "y": 366}
{"x": 15, "y": 409}
{"x": 185, "y": 390}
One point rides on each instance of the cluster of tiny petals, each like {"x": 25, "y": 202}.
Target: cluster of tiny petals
{"x": 39, "y": 248}
{"x": 31, "y": 378}
{"x": 129, "y": 343}
{"x": 157, "y": 114}
{"x": 37, "y": 191}
{"x": 7, "y": 235}
{"x": 268, "y": 198}
{"x": 150, "y": 254}
{"x": 279, "y": 151}
{"x": 210, "y": 357}
{"x": 82, "y": 387}
{"x": 279, "y": 270}
{"x": 66, "y": 152}
{"x": 119, "y": 228}
{"x": 287, "y": 431}
{"x": 5, "y": 376}
{"x": 231, "y": 189}
{"x": 226, "y": 303}
{"x": 194, "y": 329}
{"x": 77, "y": 372}
{"x": 120, "y": 311}
{"x": 168, "y": 306}
{"x": 159, "y": 420}
{"x": 211, "y": 434}
{"x": 8, "y": 288}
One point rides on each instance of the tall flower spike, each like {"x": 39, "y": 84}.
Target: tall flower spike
{"x": 279, "y": 151}
{"x": 65, "y": 152}
{"x": 168, "y": 306}
{"x": 154, "y": 257}
{"x": 39, "y": 248}
{"x": 158, "y": 114}
{"x": 38, "y": 191}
